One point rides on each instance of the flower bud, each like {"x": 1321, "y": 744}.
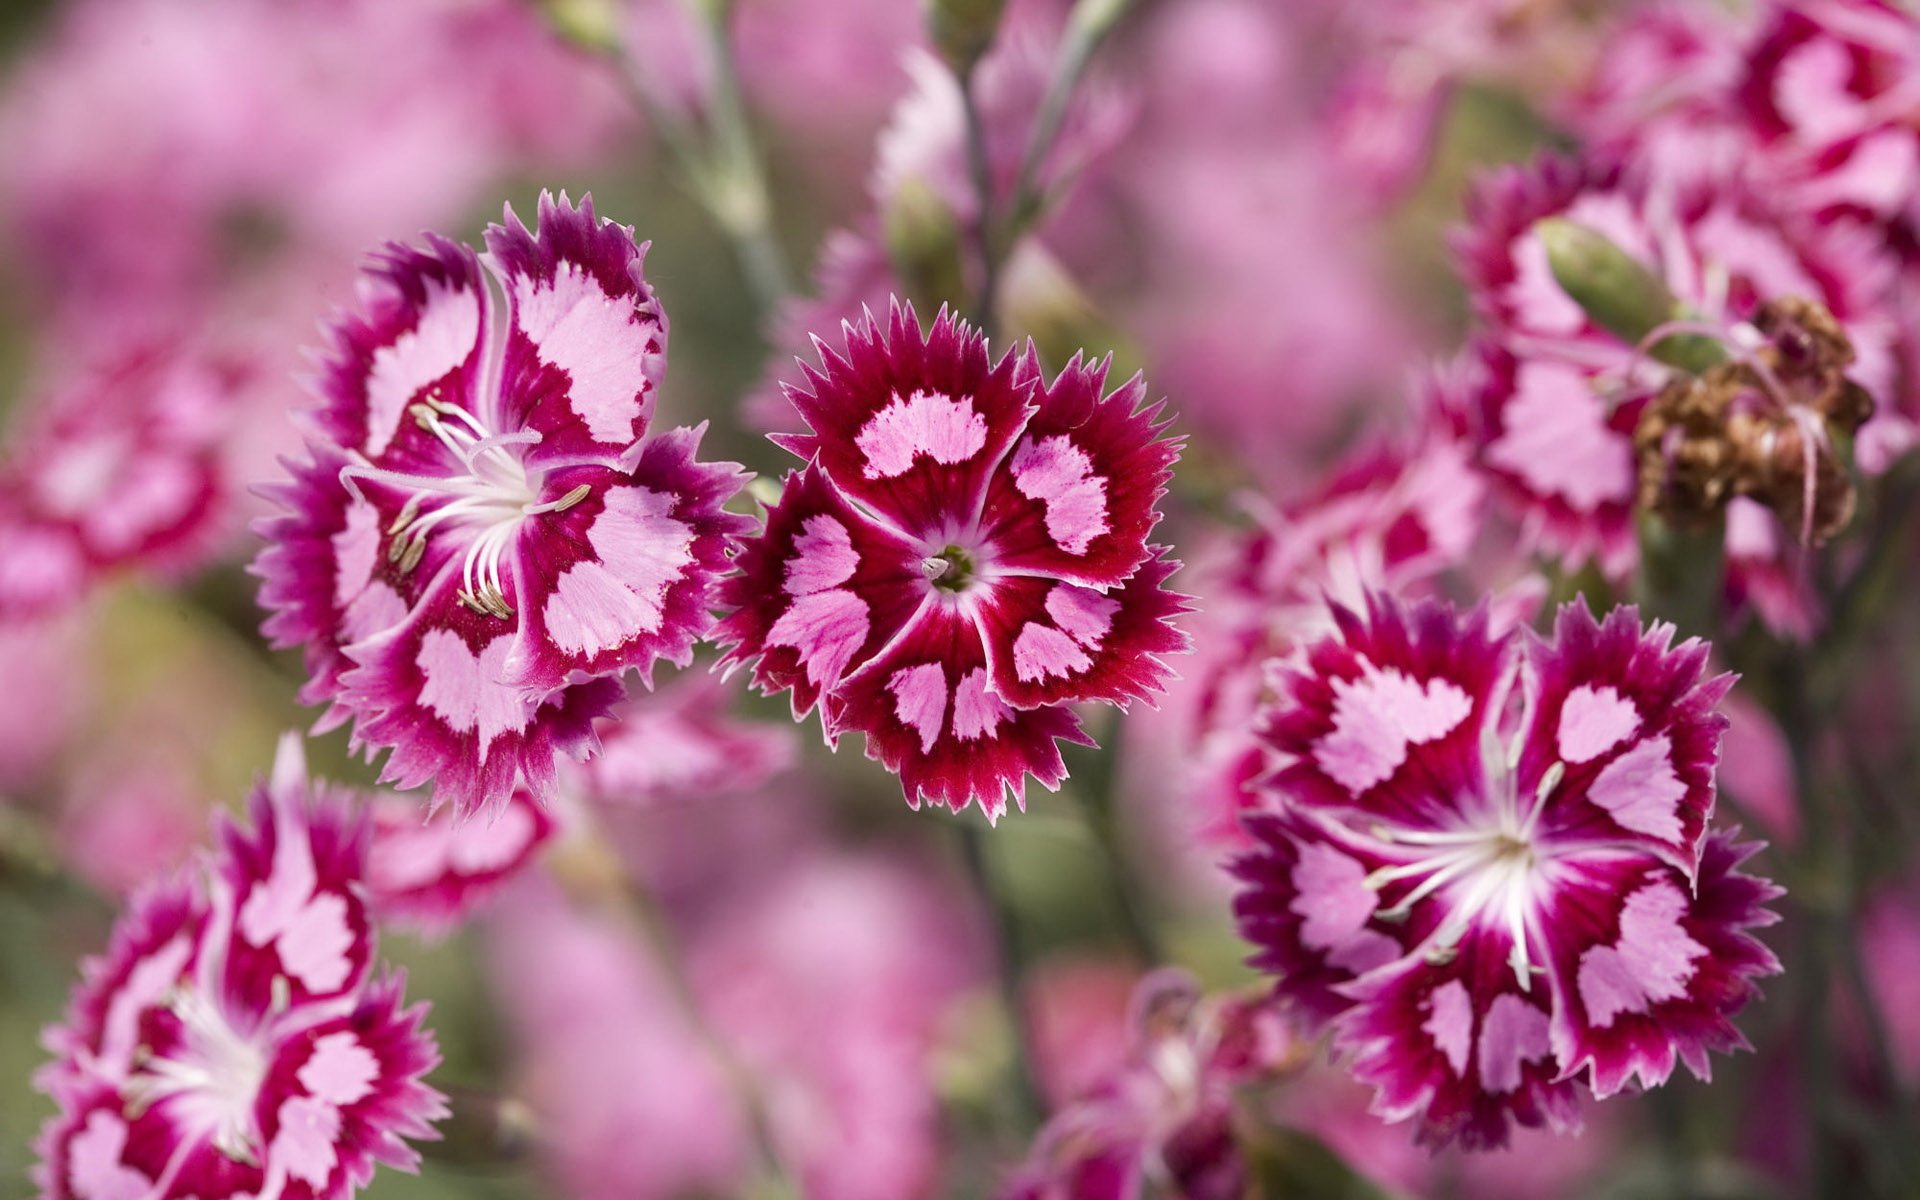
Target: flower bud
{"x": 923, "y": 242}
{"x": 1619, "y": 293}
{"x": 589, "y": 24}
{"x": 962, "y": 30}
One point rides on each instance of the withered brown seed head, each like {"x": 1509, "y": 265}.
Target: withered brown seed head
{"x": 1730, "y": 432}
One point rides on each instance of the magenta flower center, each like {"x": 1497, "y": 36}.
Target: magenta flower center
{"x": 212, "y": 1079}
{"x": 486, "y": 498}
{"x": 1493, "y": 867}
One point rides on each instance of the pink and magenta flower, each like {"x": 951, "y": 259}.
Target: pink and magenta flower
{"x": 235, "y": 1040}
{"x": 485, "y": 536}
{"x": 119, "y": 468}
{"x": 1164, "y": 1120}
{"x": 964, "y": 555}
{"x": 430, "y": 875}
{"x": 1490, "y": 869}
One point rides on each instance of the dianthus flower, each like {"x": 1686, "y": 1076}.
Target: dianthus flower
{"x": 964, "y": 555}
{"x": 1165, "y": 1118}
{"x": 1490, "y": 869}
{"x": 234, "y": 1041}
{"x": 1394, "y": 518}
{"x": 120, "y": 467}
{"x": 484, "y": 536}
{"x": 429, "y": 875}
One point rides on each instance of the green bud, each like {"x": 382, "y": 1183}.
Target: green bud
{"x": 923, "y": 241}
{"x": 1620, "y": 294}
{"x": 1094, "y": 19}
{"x": 589, "y": 24}
{"x": 962, "y": 30}
{"x": 1610, "y": 285}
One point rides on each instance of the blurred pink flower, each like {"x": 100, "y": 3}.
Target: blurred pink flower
{"x": 160, "y": 147}
{"x": 832, "y": 981}
{"x": 235, "y": 1040}
{"x": 129, "y": 818}
{"x": 118, "y": 465}
{"x": 1163, "y": 1119}
{"x": 430, "y": 873}
{"x": 631, "y": 1104}
{"x": 46, "y": 690}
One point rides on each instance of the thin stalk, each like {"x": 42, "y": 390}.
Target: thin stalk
{"x": 1087, "y": 28}
{"x": 1824, "y": 929}
{"x": 745, "y": 209}
{"x": 613, "y": 884}
{"x": 721, "y": 164}
{"x": 988, "y": 242}
{"x": 1010, "y": 968}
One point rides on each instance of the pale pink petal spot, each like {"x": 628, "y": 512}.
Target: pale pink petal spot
{"x": 823, "y": 557}
{"x": 464, "y": 689}
{"x": 303, "y": 1147}
{"x": 1641, "y": 791}
{"x": 273, "y": 904}
{"x": 147, "y": 493}
{"x": 356, "y": 552}
{"x": 1512, "y": 1034}
{"x": 374, "y": 610}
{"x": 1332, "y": 896}
{"x": 445, "y": 334}
{"x": 591, "y": 610}
{"x": 591, "y": 336}
{"x": 1375, "y": 719}
{"x": 80, "y": 473}
{"x": 1450, "y": 1023}
{"x": 1554, "y": 436}
{"x": 403, "y": 859}
{"x": 643, "y": 550}
{"x": 920, "y": 700}
{"x": 827, "y": 628}
{"x": 316, "y": 946}
{"x": 1042, "y": 650}
{"x": 96, "y": 1171}
{"x": 945, "y": 430}
{"x": 1593, "y": 721}
{"x": 1811, "y": 91}
{"x": 1060, "y": 475}
{"x": 977, "y": 712}
{"x": 341, "y": 1071}
{"x": 1082, "y": 612}
{"x": 1652, "y": 961}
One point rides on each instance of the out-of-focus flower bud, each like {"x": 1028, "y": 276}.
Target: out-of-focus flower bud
{"x": 923, "y": 242}
{"x": 962, "y": 30}
{"x": 1610, "y": 285}
{"x": 1619, "y": 293}
{"x": 589, "y": 24}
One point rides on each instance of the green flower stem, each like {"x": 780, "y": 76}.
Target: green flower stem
{"x": 720, "y": 163}
{"x": 1010, "y": 969}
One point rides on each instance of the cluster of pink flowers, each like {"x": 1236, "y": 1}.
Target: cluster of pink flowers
{"x": 1465, "y": 831}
